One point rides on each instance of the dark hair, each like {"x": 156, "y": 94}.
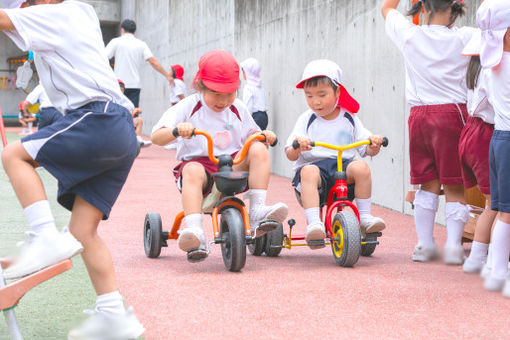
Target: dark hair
{"x": 319, "y": 80}
{"x": 173, "y": 72}
{"x": 128, "y": 25}
{"x": 473, "y": 72}
{"x": 458, "y": 8}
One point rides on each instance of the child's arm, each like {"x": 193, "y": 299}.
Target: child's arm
{"x": 26, "y": 105}
{"x": 374, "y": 148}
{"x": 164, "y": 135}
{"x": 270, "y": 136}
{"x": 5, "y": 22}
{"x": 388, "y": 5}
{"x": 304, "y": 145}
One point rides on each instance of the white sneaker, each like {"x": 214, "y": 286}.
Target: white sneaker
{"x": 506, "y": 288}
{"x": 493, "y": 284}
{"x": 172, "y": 146}
{"x": 454, "y": 255}
{"x": 422, "y": 254}
{"x": 371, "y": 224}
{"x": 486, "y": 271}
{"x": 43, "y": 250}
{"x": 315, "y": 232}
{"x": 277, "y": 212}
{"x": 472, "y": 266}
{"x": 101, "y": 326}
{"x": 146, "y": 143}
{"x": 191, "y": 238}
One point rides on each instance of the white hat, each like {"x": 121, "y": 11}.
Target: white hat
{"x": 493, "y": 18}
{"x": 474, "y": 45}
{"x": 321, "y": 68}
{"x": 252, "y": 68}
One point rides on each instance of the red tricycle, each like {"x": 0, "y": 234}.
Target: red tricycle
{"x": 343, "y": 230}
{"x": 233, "y": 231}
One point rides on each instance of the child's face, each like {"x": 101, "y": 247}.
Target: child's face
{"x": 322, "y": 99}
{"x": 218, "y": 101}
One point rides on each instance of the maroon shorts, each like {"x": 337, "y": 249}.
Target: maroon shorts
{"x": 474, "y": 154}
{"x": 209, "y": 167}
{"x": 434, "y": 132}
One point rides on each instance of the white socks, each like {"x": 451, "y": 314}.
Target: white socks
{"x": 363, "y": 205}
{"x": 30, "y": 124}
{"x": 110, "y": 303}
{"x": 479, "y": 252}
{"x": 457, "y": 215}
{"x": 425, "y": 207}
{"x": 500, "y": 249}
{"x": 193, "y": 221}
{"x": 313, "y": 215}
{"x": 39, "y": 216}
{"x": 257, "y": 198}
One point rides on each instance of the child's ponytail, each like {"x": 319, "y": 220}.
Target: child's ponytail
{"x": 458, "y": 10}
{"x": 416, "y": 8}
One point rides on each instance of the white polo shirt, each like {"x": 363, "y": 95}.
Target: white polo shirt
{"x": 130, "y": 53}
{"x": 435, "y": 70}
{"x": 344, "y": 129}
{"x": 39, "y": 95}
{"x": 69, "y": 53}
{"x": 499, "y": 93}
{"x": 254, "y": 97}
{"x": 229, "y": 128}
{"x": 478, "y": 104}
{"x": 179, "y": 88}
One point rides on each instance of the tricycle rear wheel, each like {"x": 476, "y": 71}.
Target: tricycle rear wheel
{"x": 152, "y": 235}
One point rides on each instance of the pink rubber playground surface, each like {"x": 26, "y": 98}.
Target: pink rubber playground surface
{"x": 300, "y": 294}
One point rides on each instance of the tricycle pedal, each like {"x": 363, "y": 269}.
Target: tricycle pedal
{"x": 316, "y": 243}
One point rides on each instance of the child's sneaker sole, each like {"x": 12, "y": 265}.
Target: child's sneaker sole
{"x": 188, "y": 241}
{"x": 265, "y": 227}
{"x": 197, "y": 255}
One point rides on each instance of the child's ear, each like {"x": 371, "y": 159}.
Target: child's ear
{"x": 337, "y": 92}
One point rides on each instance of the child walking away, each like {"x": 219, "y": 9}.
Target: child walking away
{"x": 474, "y": 151}
{"x": 253, "y": 93}
{"x": 436, "y": 91}
{"x": 89, "y": 151}
{"x": 216, "y": 110}
{"x": 331, "y": 120}
{"x": 178, "y": 89}
{"x": 137, "y": 119}
{"x": 493, "y": 18}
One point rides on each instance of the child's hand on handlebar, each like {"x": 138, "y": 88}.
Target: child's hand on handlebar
{"x": 304, "y": 144}
{"x": 185, "y": 130}
{"x": 270, "y": 136}
{"x": 375, "y": 146}
{"x": 136, "y": 111}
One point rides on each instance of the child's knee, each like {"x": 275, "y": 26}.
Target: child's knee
{"x": 259, "y": 151}
{"x": 193, "y": 171}
{"x": 358, "y": 169}
{"x": 11, "y": 152}
{"x": 310, "y": 173}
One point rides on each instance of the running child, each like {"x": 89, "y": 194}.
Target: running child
{"x": 137, "y": 120}
{"x": 254, "y": 95}
{"x": 48, "y": 114}
{"x": 26, "y": 119}
{"x": 436, "y": 91}
{"x": 178, "y": 89}
{"x": 331, "y": 119}
{"x": 474, "y": 151}
{"x": 216, "y": 110}
{"x": 90, "y": 151}
{"x": 493, "y": 18}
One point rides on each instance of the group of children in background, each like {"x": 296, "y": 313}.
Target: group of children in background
{"x": 449, "y": 128}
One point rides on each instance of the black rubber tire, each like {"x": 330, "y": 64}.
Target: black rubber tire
{"x": 349, "y": 255}
{"x": 368, "y": 249}
{"x": 274, "y": 238}
{"x": 152, "y": 235}
{"x": 233, "y": 249}
{"x": 138, "y": 147}
{"x": 258, "y": 246}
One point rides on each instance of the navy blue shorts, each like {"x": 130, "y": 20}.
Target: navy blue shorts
{"x": 260, "y": 117}
{"x": 133, "y": 95}
{"x": 499, "y": 163}
{"x": 328, "y": 168}
{"x": 89, "y": 151}
{"x": 48, "y": 116}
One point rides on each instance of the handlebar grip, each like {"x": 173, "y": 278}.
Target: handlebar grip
{"x": 295, "y": 144}
{"x": 275, "y": 142}
{"x": 175, "y": 132}
{"x": 385, "y": 142}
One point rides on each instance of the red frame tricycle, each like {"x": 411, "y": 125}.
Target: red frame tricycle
{"x": 233, "y": 231}
{"x": 343, "y": 231}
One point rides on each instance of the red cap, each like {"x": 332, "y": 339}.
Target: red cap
{"x": 218, "y": 70}
{"x": 179, "y": 71}
{"x": 121, "y": 82}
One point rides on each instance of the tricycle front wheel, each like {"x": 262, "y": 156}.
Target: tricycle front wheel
{"x": 346, "y": 239}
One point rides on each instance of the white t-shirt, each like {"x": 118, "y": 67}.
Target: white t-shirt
{"x": 255, "y": 98}
{"x": 435, "y": 70}
{"x": 229, "y": 128}
{"x": 478, "y": 104}
{"x": 499, "y": 93}
{"x": 130, "y": 53}
{"x": 39, "y": 95}
{"x": 69, "y": 53}
{"x": 339, "y": 131}
{"x": 179, "y": 88}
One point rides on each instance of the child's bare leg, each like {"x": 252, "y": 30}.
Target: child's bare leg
{"x": 257, "y": 163}
{"x": 480, "y": 246}
{"x": 138, "y": 126}
{"x": 83, "y": 225}
{"x": 20, "y": 169}
{"x": 358, "y": 172}
{"x": 22, "y": 123}
{"x": 194, "y": 181}
{"x": 310, "y": 181}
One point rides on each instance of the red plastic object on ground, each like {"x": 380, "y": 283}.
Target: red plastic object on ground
{"x": 2, "y": 129}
